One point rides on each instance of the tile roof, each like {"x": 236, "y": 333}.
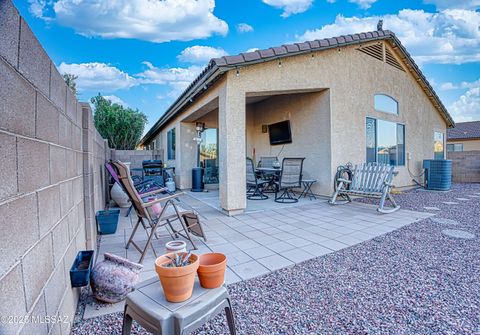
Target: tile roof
{"x": 217, "y": 66}
{"x": 289, "y": 49}
{"x": 464, "y": 131}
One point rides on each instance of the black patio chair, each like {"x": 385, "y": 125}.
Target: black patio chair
{"x": 290, "y": 178}
{"x": 254, "y": 183}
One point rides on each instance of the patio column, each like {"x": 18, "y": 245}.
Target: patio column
{"x": 231, "y": 121}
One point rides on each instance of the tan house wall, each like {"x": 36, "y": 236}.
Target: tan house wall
{"x": 309, "y": 115}
{"x": 184, "y": 137}
{"x": 352, "y": 78}
{"x": 468, "y": 145}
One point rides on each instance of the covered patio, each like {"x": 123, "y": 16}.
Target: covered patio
{"x": 307, "y": 113}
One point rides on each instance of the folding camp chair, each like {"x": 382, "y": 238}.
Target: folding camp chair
{"x": 165, "y": 217}
{"x": 141, "y": 185}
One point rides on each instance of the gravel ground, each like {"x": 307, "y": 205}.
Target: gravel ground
{"x": 415, "y": 280}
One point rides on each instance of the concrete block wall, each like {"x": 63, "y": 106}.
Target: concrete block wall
{"x": 136, "y": 157}
{"x": 465, "y": 166}
{"x": 51, "y": 166}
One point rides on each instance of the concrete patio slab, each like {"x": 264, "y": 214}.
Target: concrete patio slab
{"x": 260, "y": 241}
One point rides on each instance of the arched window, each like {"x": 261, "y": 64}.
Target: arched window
{"x": 386, "y": 104}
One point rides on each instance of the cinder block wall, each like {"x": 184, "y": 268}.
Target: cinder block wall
{"x": 136, "y": 157}
{"x": 51, "y": 181}
{"x": 465, "y": 166}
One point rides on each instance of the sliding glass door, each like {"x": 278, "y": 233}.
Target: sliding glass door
{"x": 209, "y": 155}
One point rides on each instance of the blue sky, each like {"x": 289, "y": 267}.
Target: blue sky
{"x": 143, "y": 53}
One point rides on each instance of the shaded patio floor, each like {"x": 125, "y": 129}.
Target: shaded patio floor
{"x": 212, "y": 199}
{"x": 261, "y": 241}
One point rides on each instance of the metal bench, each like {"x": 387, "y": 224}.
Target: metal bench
{"x": 371, "y": 180}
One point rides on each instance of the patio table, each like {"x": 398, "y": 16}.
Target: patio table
{"x": 267, "y": 169}
{"x": 269, "y": 173}
{"x": 147, "y": 305}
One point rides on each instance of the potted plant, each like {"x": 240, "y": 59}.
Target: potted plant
{"x": 177, "y": 275}
{"x": 211, "y": 269}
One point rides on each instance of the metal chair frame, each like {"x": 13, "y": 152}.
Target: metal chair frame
{"x": 154, "y": 222}
{"x": 254, "y": 184}
{"x": 290, "y": 178}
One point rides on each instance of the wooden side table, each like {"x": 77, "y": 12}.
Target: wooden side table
{"x": 147, "y": 305}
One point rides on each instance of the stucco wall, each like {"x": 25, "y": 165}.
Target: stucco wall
{"x": 185, "y": 146}
{"x": 352, "y": 78}
{"x": 51, "y": 184}
{"x": 309, "y": 115}
{"x": 467, "y": 145}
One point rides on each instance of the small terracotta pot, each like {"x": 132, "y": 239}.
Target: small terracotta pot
{"x": 211, "y": 271}
{"x": 178, "y": 282}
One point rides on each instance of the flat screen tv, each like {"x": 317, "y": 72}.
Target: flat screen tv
{"x": 280, "y": 133}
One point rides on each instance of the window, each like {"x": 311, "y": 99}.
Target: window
{"x": 171, "y": 144}
{"x": 455, "y": 147}
{"x": 385, "y": 142}
{"x": 438, "y": 144}
{"x": 386, "y": 104}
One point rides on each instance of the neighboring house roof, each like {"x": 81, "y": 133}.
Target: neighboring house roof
{"x": 464, "y": 131}
{"x": 218, "y": 66}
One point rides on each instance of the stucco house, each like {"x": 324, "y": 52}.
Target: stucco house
{"x": 464, "y": 137}
{"x": 352, "y": 98}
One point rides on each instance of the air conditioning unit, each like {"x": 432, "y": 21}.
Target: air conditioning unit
{"x": 438, "y": 174}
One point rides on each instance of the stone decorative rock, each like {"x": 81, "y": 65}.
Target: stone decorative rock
{"x": 444, "y": 221}
{"x": 119, "y": 196}
{"x": 114, "y": 278}
{"x": 458, "y": 233}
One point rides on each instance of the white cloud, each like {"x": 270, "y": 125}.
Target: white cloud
{"x": 290, "y": 7}
{"x": 450, "y": 36}
{"x": 364, "y": 4}
{"x": 467, "y": 107}
{"x": 98, "y": 77}
{"x": 463, "y": 85}
{"x": 244, "y": 28}
{"x": 462, "y": 4}
{"x": 103, "y": 78}
{"x": 252, "y": 50}
{"x": 178, "y": 78}
{"x": 154, "y": 21}
{"x": 200, "y": 54}
{"x": 116, "y": 100}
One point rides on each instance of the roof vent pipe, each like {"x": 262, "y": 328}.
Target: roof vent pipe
{"x": 380, "y": 25}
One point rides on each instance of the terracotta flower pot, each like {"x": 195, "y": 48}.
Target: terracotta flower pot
{"x": 177, "y": 282}
{"x": 211, "y": 271}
